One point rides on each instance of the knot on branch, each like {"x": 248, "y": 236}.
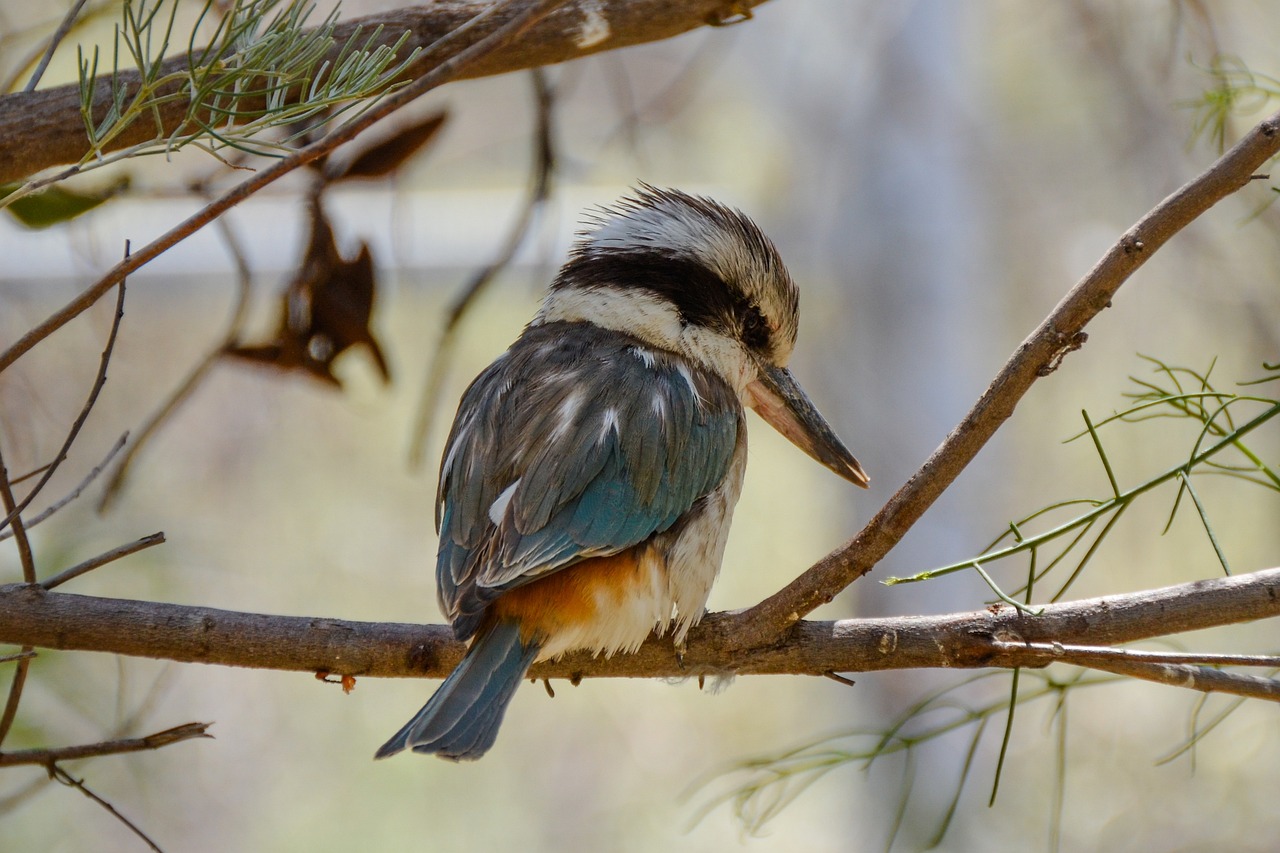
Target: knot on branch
{"x": 1066, "y": 344}
{"x": 1131, "y": 245}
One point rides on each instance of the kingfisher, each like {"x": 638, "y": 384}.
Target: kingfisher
{"x": 590, "y": 476}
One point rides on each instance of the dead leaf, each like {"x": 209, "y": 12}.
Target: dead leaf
{"x": 325, "y": 310}
{"x": 385, "y": 157}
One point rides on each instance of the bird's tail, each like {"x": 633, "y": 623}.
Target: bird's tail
{"x": 460, "y": 722}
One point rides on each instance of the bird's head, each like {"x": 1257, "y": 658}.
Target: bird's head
{"x": 687, "y": 274}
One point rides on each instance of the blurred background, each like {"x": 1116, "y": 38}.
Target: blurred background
{"x": 936, "y": 175}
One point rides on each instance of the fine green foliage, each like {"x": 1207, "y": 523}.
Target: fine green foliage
{"x": 1235, "y": 90}
{"x": 760, "y": 788}
{"x": 239, "y": 84}
{"x": 1218, "y": 449}
{"x": 261, "y": 70}
{"x": 55, "y": 205}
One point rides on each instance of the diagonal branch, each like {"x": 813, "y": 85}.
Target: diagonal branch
{"x": 1039, "y": 355}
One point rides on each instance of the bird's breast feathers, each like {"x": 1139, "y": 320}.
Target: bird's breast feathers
{"x": 587, "y": 487}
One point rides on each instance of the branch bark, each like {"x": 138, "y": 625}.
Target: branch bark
{"x": 42, "y": 129}
{"x": 51, "y": 756}
{"x": 1061, "y": 333}
{"x": 33, "y": 616}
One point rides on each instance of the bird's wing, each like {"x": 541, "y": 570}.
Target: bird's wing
{"x": 575, "y": 443}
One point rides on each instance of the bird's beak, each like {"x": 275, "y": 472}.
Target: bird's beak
{"x": 779, "y": 399}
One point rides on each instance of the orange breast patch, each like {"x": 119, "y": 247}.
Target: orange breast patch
{"x": 575, "y": 596}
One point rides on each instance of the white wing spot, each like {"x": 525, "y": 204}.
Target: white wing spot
{"x": 659, "y": 405}
{"x": 452, "y": 455}
{"x": 498, "y": 508}
{"x": 683, "y": 370}
{"x": 568, "y": 411}
{"x": 644, "y": 355}
{"x": 610, "y": 422}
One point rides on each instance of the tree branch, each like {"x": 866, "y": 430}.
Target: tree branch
{"x": 1195, "y": 672}
{"x": 42, "y": 129}
{"x": 49, "y": 757}
{"x": 994, "y": 637}
{"x": 1039, "y": 355}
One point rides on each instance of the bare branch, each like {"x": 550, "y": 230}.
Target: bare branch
{"x": 58, "y": 35}
{"x": 70, "y": 781}
{"x": 1037, "y": 356}
{"x": 102, "y": 559}
{"x": 19, "y": 681}
{"x": 30, "y": 653}
{"x": 244, "y": 277}
{"x": 74, "y": 493}
{"x": 13, "y": 514}
{"x": 994, "y": 637}
{"x": 48, "y": 757}
{"x": 10, "y": 712}
{"x": 1088, "y": 655}
{"x": 544, "y": 164}
{"x": 1173, "y": 668}
{"x": 42, "y": 129}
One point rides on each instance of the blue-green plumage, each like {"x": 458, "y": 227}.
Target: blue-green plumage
{"x": 462, "y": 718}
{"x": 591, "y": 473}
{"x": 608, "y": 444}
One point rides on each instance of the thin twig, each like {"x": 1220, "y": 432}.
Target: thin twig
{"x": 102, "y": 559}
{"x": 15, "y": 693}
{"x": 22, "y": 478}
{"x": 58, "y": 35}
{"x": 1059, "y": 334}
{"x": 523, "y": 15}
{"x": 544, "y": 165}
{"x": 46, "y": 757}
{"x": 70, "y": 781}
{"x": 74, "y": 493}
{"x": 13, "y": 514}
{"x": 187, "y": 387}
{"x": 1202, "y": 678}
{"x": 1076, "y": 654}
{"x": 10, "y": 712}
{"x": 30, "y": 653}
{"x": 99, "y": 381}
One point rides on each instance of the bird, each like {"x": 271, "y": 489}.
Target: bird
{"x": 590, "y": 476}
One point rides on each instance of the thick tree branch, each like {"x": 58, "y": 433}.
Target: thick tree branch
{"x": 994, "y": 637}
{"x": 42, "y": 129}
{"x": 1037, "y": 356}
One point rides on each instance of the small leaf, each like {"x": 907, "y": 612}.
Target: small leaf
{"x": 56, "y": 204}
{"x": 385, "y": 157}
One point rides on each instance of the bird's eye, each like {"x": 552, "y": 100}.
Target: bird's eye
{"x": 755, "y": 330}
